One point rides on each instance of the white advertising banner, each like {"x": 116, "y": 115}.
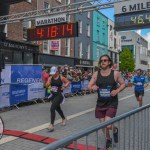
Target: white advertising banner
{"x": 67, "y": 90}
{"x": 36, "y": 90}
{"x": 111, "y": 38}
{"x": 6, "y": 75}
{"x": 85, "y": 84}
{"x": 40, "y": 21}
{"x": 4, "y": 96}
{"x": 131, "y": 6}
{"x": 119, "y": 42}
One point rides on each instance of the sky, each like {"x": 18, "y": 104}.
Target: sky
{"x": 143, "y": 32}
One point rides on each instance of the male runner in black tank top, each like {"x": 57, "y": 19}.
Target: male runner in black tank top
{"x": 104, "y": 81}
{"x": 56, "y": 82}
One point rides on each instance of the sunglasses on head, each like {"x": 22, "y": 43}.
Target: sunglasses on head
{"x": 104, "y": 60}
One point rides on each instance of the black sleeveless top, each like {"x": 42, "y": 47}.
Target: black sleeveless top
{"x": 56, "y": 85}
{"x": 106, "y": 84}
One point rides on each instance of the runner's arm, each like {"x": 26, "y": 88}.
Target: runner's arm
{"x": 48, "y": 83}
{"x": 121, "y": 81}
{"x": 92, "y": 81}
{"x": 65, "y": 81}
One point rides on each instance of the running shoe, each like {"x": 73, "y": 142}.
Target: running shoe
{"x": 63, "y": 123}
{"x": 115, "y": 134}
{"x": 50, "y": 128}
{"x": 108, "y": 144}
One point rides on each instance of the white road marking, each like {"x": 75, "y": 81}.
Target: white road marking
{"x": 130, "y": 96}
{"x": 44, "y": 126}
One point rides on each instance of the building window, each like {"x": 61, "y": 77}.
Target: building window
{"x": 67, "y": 1}
{"x": 29, "y": 1}
{"x": 143, "y": 62}
{"x": 45, "y": 47}
{"x": 88, "y": 52}
{"x": 17, "y": 59}
{"x": 103, "y": 38}
{"x": 88, "y": 15}
{"x": 143, "y": 51}
{"x": 110, "y": 27}
{"x": 28, "y": 58}
{"x": 115, "y": 58}
{"x": 6, "y": 30}
{"x": 67, "y": 46}
{"x": 97, "y": 54}
{"x": 80, "y": 26}
{"x": 69, "y": 18}
{"x": 115, "y": 43}
{"x": 46, "y": 6}
{"x": 26, "y": 25}
{"x": 98, "y": 21}
{"x": 103, "y": 24}
{"x": 80, "y": 50}
{"x": 88, "y": 30}
{"x": 98, "y": 36}
{"x": 111, "y": 55}
{"x": 58, "y": 1}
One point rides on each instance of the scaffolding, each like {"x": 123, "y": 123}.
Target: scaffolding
{"x": 68, "y": 9}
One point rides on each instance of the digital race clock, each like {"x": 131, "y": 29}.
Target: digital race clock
{"x": 132, "y": 21}
{"x": 53, "y": 32}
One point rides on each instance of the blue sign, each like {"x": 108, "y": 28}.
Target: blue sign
{"x": 76, "y": 86}
{"x": 18, "y": 93}
{"x": 26, "y": 74}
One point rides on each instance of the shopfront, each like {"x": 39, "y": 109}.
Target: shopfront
{"x": 50, "y": 60}
{"x": 19, "y": 53}
{"x": 83, "y": 63}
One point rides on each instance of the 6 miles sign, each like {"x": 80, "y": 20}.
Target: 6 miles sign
{"x": 131, "y": 6}
{"x": 133, "y": 14}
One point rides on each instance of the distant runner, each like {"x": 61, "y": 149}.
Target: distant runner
{"x": 140, "y": 82}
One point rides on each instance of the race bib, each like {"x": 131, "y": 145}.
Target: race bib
{"x": 54, "y": 88}
{"x": 104, "y": 93}
{"x": 139, "y": 83}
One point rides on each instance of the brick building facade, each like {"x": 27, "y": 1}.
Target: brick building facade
{"x": 18, "y": 30}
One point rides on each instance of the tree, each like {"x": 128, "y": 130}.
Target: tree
{"x": 126, "y": 60}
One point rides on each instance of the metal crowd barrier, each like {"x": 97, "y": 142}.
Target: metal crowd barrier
{"x": 133, "y": 127}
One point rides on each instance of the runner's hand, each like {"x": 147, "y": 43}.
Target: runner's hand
{"x": 114, "y": 93}
{"x": 94, "y": 87}
{"x": 62, "y": 88}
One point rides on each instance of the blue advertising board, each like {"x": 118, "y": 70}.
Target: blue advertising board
{"x": 76, "y": 86}
{"x": 18, "y": 93}
{"x": 26, "y": 74}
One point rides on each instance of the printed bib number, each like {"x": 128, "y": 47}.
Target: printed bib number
{"x": 54, "y": 88}
{"x": 105, "y": 93}
{"x": 139, "y": 83}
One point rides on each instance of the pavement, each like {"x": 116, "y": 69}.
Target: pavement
{"x": 78, "y": 109}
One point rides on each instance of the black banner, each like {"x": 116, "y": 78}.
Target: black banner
{"x": 83, "y": 62}
{"x": 24, "y": 47}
